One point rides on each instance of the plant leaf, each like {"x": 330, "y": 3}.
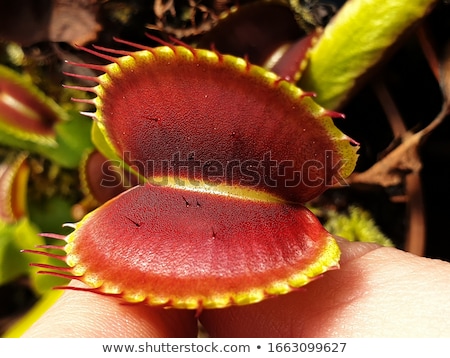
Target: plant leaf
{"x": 149, "y": 118}
{"x": 13, "y": 238}
{"x": 357, "y": 38}
{"x": 14, "y": 175}
{"x": 31, "y": 121}
{"x": 197, "y": 249}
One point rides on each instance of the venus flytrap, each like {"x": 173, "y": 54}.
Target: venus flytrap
{"x": 196, "y": 242}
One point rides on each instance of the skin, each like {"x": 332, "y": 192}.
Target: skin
{"x": 377, "y": 292}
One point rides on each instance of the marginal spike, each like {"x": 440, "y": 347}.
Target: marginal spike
{"x": 199, "y": 310}
{"x": 352, "y": 141}
{"x": 45, "y": 253}
{"x": 308, "y": 94}
{"x": 88, "y": 114}
{"x": 185, "y": 45}
{"x": 58, "y": 274}
{"x": 83, "y": 77}
{"x": 55, "y": 247}
{"x": 83, "y": 100}
{"x": 89, "y": 289}
{"x": 133, "y": 44}
{"x": 333, "y": 114}
{"x": 71, "y": 225}
{"x": 218, "y": 54}
{"x": 51, "y": 267}
{"x": 90, "y": 66}
{"x": 81, "y": 88}
{"x": 114, "y": 51}
{"x": 161, "y": 42}
{"x": 53, "y": 236}
{"x": 248, "y": 65}
{"x": 98, "y": 54}
{"x": 72, "y": 288}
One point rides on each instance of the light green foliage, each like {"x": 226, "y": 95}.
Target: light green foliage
{"x": 13, "y": 238}
{"x": 14, "y": 263}
{"x": 355, "y": 41}
{"x": 356, "y": 224}
{"x": 63, "y": 149}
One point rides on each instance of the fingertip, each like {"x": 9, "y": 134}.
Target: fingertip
{"x": 377, "y": 292}
{"x": 354, "y": 250}
{"x": 79, "y": 314}
{"x": 311, "y": 311}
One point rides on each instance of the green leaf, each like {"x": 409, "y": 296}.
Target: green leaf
{"x": 356, "y": 40}
{"x": 51, "y": 214}
{"x": 32, "y": 121}
{"x": 13, "y": 238}
{"x": 102, "y": 144}
{"x": 14, "y": 174}
{"x": 73, "y": 138}
{"x": 26, "y": 113}
{"x": 14, "y": 263}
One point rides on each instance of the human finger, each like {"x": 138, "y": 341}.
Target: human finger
{"x": 84, "y": 314}
{"x": 378, "y": 292}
